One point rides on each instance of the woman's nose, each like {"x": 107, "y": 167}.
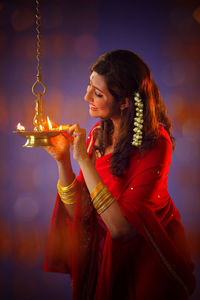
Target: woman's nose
{"x": 88, "y": 96}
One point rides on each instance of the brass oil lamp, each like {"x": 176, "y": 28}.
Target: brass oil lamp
{"x": 43, "y": 130}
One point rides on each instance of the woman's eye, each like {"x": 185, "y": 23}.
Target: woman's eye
{"x": 98, "y": 95}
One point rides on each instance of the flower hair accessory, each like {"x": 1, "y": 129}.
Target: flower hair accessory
{"x": 138, "y": 121}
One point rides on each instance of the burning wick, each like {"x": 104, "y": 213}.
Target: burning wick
{"x": 20, "y": 127}
{"x": 41, "y": 128}
{"x": 58, "y": 127}
{"x": 49, "y": 123}
{"x": 64, "y": 127}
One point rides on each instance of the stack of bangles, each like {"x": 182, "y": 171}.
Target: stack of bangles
{"x": 101, "y": 197}
{"x": 67, "y": 194}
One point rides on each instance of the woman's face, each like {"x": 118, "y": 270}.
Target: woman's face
{"x": 101, "y": 102}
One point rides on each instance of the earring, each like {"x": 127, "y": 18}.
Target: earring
{"x": 138, "y": 121}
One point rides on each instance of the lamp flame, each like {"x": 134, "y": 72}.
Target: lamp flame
{"x": 60, "y": 127}
{"x": 41, "y": 128}
{"x": 20, "y": 127}
{"x": 49, "y": 123}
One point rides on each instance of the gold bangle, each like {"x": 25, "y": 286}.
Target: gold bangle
{"x": 102, "y": 201}
{"x": 68, "y": 199}
{"x": 68, "y": 187}
{"x": 67, "y": 193}
{"x": 105, "y": 206}
{"x": 68, "y": 202}
{"x": 71, "y": 191}
{"x": 103, "y": 193}
{"x": 97, "y": 189}
{"x": 71, "y": 196}
{"x": 101, "y": 198}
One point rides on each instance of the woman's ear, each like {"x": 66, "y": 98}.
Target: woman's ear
{"x": 125, "y": 104}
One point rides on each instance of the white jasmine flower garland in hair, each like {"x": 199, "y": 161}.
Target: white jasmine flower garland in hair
{"x": 138, "y": 121}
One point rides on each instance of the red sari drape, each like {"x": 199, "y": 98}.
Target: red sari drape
{"x": 153, "y": 265}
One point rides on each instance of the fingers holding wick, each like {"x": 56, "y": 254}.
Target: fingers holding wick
{"x": 60, "y": 140}
{"x": 74, "y": 129}
{"x": 75, "y": 138}
{"x": 79, "y": 143}
{"x": 65, "y": 133}
{"x": 79, "y": 134}
{"x": 60, "y": 143}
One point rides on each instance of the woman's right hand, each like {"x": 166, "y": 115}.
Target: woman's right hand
{"x": 60, "y": 150}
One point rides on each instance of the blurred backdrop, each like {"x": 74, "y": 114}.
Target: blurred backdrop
{"x": 166, "y": 34}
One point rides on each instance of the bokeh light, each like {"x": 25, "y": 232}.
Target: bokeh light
{"x": 22, "y": 19}
{"x": 3, "y": 41}
{"x": 86, "y": 46}
{"x": 174, "y": 74}
{"x": 196, "y": 14}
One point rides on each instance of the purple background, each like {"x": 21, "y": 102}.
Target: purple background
{"x": 166, "y": 35}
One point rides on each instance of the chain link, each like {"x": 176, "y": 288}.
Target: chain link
{"x": 39, "y": 75}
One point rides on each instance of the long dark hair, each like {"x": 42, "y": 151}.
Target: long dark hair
{"x": 126, "y": 73}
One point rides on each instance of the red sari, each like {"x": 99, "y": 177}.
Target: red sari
{"x": 153, "y": 265}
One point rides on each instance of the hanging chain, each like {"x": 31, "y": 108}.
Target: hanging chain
{"x": 39, "y": 75}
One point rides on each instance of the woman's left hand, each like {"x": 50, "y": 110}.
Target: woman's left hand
{"x": 79, "y": 144}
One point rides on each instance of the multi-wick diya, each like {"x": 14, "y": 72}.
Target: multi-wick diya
{"x": 43, "y": 129}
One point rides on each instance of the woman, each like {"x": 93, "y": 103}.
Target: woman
{"x": 115, "y": 228}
